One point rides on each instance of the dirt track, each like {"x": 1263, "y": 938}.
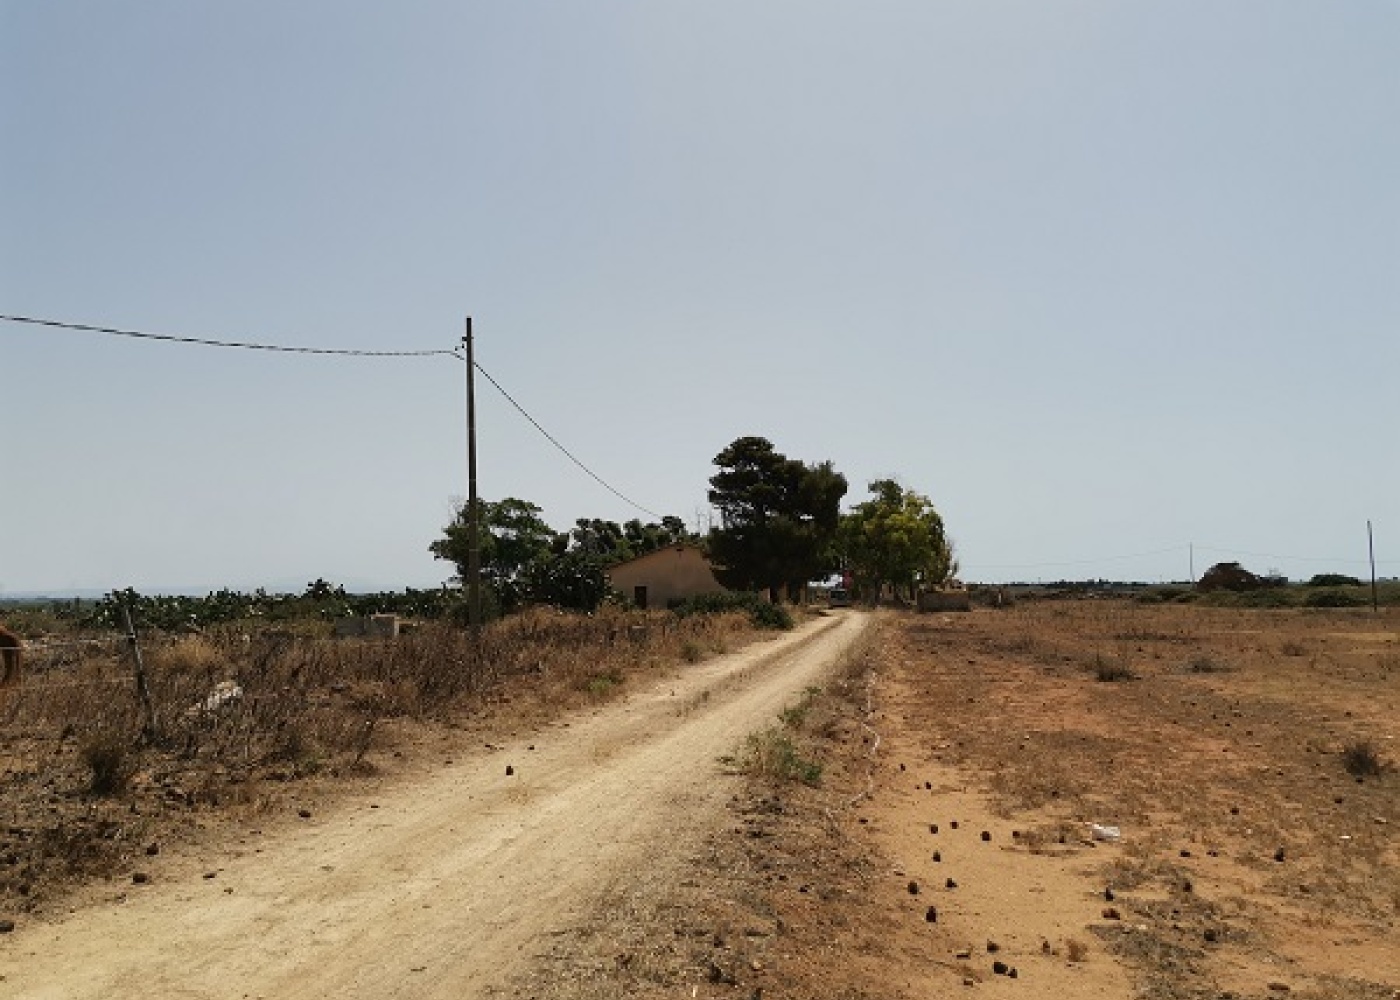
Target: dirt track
{"x": 444, "y": 887}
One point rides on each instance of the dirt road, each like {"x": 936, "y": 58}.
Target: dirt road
{"x": 443, "y": 887}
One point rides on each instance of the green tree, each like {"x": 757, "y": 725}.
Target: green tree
{"x": 575, "y": 580}
{"x": 896, "y": 538}
{"x": 614, "y": 543}
{"x": 778, "y": 518}
{"x": 512, "y": 537}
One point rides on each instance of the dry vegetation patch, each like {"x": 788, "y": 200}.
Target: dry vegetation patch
{"x": 252, "y": 726}
{"x": 1252, "y": 860}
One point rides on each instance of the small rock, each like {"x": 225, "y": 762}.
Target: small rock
{"x": 993, "y": 947}
{"x": 963, "y": 955}
{"x": 1012, "y": 973}
{"x": 931, "y": 915}
{"x": 913, "y": 888}
{"x": 1280, "y": 987}
{"x": 933, "y": 828}
{"x": 211, "y": 874}
{"x": 950, "y": 884}
{"x": 304, "y": 813}
{"x": 1279, "y": 855}
{"x": 140, "y": 878}
{"x": 6, "y": 926}
{"x": 152, "y": 850}
{"x": 1185, "y": 853}
{"x": 937, "y": 857}
{"x": 1211, "y": 935}
{"x": 986, "y": 836}
{"x": 1000, "y": 968}
{"x": 953, "y": 825}
{"x": 1108, "y": 895}
{"x": 509, "y": 770}
{"x": 1111, "y": 913}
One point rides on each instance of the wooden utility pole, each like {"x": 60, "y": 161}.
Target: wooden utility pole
{"x": 473, "y": 504}
{"x": 1371, "y": 547}
{"x": 143, "y": 689}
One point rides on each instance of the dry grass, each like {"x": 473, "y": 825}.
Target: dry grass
{"x": 1249, "y": 757}
{"x": 80, "y": 788}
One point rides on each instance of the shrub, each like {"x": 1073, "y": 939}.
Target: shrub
{"x": 1335, "y": 599}
{"x": 1333, "y": 580}
{"x": 1109, "y": 671}
{"x": 1228, "y": 576}
{"x": 1203, "y": 664}
{"x": 772, "y": 754}
{"x": 1362, "y": 760}
{"x": 762, "y": 613}
{"x": 602, "y": 685}
{"x": 108, "y": 757}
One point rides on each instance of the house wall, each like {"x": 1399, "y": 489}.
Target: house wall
{"x": 670, "y": 574}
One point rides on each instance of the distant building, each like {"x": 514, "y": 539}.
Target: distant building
{"x": 665, "y": 577}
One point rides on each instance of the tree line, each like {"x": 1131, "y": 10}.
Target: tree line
{"x": 780, "y": 526}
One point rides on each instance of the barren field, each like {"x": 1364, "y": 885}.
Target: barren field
{"x": 916, "y": 817}
{"x": 948, "y": 849}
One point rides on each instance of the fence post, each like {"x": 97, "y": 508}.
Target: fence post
{"x": 143, "y": 690}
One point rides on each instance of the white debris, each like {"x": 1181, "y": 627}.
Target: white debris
{"x": 224, "y": 694}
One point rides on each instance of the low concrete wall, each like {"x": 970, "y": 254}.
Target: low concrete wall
{"x": 373, "y": 627}
{"x": 945, "y": 600}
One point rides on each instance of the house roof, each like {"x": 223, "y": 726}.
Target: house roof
{"x": 677, "y": 548}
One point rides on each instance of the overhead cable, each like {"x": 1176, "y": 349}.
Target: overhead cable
{"x": 284, "y": 349}
{"x": 205, "y": 342}
{"x": 554, "y": 441}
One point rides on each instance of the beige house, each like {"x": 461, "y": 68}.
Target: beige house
{"x": 665, "y": 577}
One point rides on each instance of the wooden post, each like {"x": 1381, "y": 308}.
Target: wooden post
{"x": 1371, "y": 547}
{"x": 143, "y": 689}
{"x": 473, "y": 504}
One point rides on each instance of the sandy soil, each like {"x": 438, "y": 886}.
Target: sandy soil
{"x": 961, "y": 765}
{"x": 445, "y": 886}
{"x": 944, "y": 850}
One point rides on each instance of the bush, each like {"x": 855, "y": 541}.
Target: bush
{"x": 1203, "y": 664}
{"x": 106, "y": 754}
{"x": 762, "y": 613}
{"x": 1361, "y": 760}
{"x": 1335, "y": 599}
{"x": 1109, "y": 671}
{"x": 1333, "y": 580}
{"x": 772, "y": 754}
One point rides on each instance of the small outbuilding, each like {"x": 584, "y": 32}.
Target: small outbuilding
{"x": 665, "y": 577}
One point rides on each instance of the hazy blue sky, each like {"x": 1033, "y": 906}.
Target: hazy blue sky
{"x": 1102, "y": 278}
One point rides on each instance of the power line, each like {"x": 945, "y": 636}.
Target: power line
{"x": 554, "y": 441}
{"x": 206, "y": 342}
{"x": 1167, "y": 551}
{"x": 1271, "y": 555}
{"x": 284, "y": 349}
{"x": 1078, "y": 562}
